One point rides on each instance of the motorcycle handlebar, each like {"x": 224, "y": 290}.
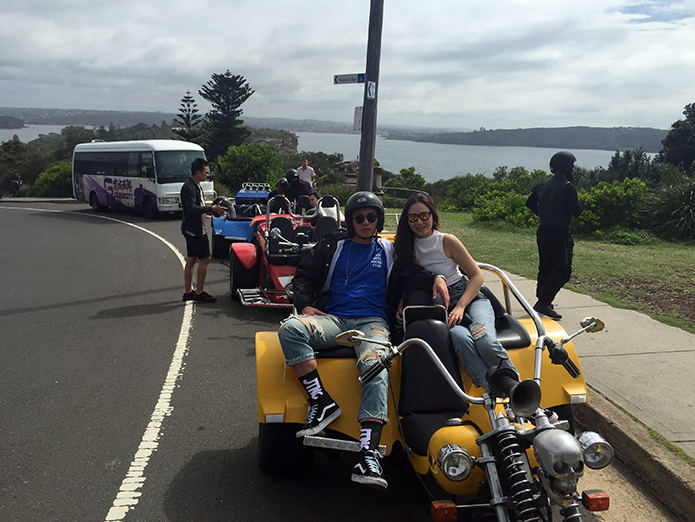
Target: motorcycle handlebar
{"x": 384, "y": 362}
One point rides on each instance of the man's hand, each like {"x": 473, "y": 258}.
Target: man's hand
{"x": 439, "y": 287}
{"x": 310, "y": 310}
{"x": 219, "y": 210}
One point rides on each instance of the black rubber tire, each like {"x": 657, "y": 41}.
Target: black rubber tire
{"x": 94, "y": 203}
{"x": 239, "y": 277}
{"x": 280, "y": 452}
{"x": 220, "y": 247}
{"x": 149, "y": 209}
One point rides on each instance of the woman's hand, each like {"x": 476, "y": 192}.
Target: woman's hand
{"x": 456, "y": 315}
{"x": 399, "y": 312}
{"x": 439, "y": 287}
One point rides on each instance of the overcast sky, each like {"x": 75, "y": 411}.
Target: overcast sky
{"x": 444, "y": 63}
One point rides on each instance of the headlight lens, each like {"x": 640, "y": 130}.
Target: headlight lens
{"x": 455, "y": 462}
{"x": 597, "y": 452}
{"x": 170, "y": 201}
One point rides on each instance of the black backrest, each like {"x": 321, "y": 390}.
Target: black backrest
{"x": 284, "y": 224}
{"x": 423, "y": 388}
{"x": 308, "y": 232}
{"x": 325, "y": 225}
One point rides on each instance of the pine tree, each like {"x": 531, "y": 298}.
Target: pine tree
{"x": 222, "y": 127}
{"x": 189, "y": 119}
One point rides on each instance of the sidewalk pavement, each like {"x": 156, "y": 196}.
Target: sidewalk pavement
{"x": 645, "y": 368}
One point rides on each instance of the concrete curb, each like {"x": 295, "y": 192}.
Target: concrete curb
{"x": 670, "y": 478}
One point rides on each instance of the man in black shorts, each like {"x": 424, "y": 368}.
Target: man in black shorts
{"x": 193, "y": 229}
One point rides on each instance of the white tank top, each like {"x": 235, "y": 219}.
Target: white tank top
{"x": 429, "y": 254}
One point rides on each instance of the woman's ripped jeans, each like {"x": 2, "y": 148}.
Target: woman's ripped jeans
{"x": 476, "y": 345}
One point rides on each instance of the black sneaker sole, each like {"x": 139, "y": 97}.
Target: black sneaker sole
{"x": 320, "y": 426}
{"x": 373, "y": 482}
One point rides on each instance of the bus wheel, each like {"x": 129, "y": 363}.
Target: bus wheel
{"x": 149, "y": 209}
{"x": 94, "y": 203}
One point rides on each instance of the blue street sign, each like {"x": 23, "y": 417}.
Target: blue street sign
{"x": 340, "y": 79}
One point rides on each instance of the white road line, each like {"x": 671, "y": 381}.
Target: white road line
{"x": 129, "y": 494}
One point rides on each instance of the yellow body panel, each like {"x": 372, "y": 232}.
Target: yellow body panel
{"x": 282, "y": 399}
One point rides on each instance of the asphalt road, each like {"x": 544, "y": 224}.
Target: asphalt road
{"x": 98, "y": 378}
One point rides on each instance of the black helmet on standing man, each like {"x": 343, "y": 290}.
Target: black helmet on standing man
{"x": 562, "y": 162}
{"x": 291, "y": 175}
{"x": 364, "y": 200}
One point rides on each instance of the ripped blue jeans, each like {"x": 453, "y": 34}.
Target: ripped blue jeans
{"x": 476, "y": 345}
{"x": 299, "y": 345}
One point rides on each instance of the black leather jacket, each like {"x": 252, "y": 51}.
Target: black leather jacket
{"x": 312, "y": 272}
{"x": 192, "y": 215}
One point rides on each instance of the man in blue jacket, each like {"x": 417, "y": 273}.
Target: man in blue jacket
{"x": 193, "y": 229}
{"x": 555, "y": 201}
{"x": 355, "y": 271}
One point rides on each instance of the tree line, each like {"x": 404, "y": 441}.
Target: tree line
{"x": 635, "y": 193}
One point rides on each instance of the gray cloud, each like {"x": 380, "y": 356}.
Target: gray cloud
{"x": 446, "y": 63}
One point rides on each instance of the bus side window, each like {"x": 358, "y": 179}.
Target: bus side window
{"x": 146, "y": 165}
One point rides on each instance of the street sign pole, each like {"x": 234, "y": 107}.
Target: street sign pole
{"x": 365, "y": 176}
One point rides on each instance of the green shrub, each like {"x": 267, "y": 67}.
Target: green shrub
{"x": 672, "y": 211}
{"x": 620, "y": 203}
{"x": 463, "y": 190}
{"x": 243, "y": 163}
{"x": 504, "y": 205}
{"x": 621, "y": 236}
{"x": 338, "y": 191}
{"x": 54, "y": 182}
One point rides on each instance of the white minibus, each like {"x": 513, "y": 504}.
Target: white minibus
{"x": 141, "y": 175}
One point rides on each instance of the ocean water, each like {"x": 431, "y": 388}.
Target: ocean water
{"x": 435, "y": 161}
{"x": 29, "y": 132}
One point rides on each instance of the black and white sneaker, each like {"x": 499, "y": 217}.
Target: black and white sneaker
{"x": 368, "y": 470}
{"x": 318, "y": 416}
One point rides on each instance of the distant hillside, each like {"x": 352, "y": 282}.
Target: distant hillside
{"x": 10, "y": 122}
{"x": 85, "y": 117}
{"x": 596, "y": 138}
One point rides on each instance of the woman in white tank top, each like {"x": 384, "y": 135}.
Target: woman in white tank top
{"x": 419, "y": 241}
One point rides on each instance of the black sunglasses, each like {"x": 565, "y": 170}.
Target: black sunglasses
{"x": 422, "y": 215}
{"x": 359, "y": 218}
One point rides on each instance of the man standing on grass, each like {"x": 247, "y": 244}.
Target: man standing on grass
{"x": 193, "y": 229}
{"x": 554, "y": 201}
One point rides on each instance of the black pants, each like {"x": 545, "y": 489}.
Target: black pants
{"x": 555, "y": 251}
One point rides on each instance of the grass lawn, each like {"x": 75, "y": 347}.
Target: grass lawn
{"x": 656, "y": 279}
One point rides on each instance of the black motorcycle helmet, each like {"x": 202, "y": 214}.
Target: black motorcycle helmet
{"x": 291, "y": 175}
{"x": 562, "y": 162}
{"x": 223, "y": 202}
{"x": 362, "y": 200}
{"x": 282, "y": 182}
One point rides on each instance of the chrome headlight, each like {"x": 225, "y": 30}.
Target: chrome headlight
{"x": 597, "y": 452}
{"x": 455, "y": 462}
{"x": 170, "y": 201}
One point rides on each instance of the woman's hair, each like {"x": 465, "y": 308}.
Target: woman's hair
{"x": 405, "y": 238}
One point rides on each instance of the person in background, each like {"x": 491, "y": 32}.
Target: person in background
{"x": 280, "y": 188}
{"x": 16, "y": 181}
{"x": 554, "y": 201}
{"x": 306, "y": 172}
{"x": 314, "y": 198}
{"x": 297, "y": 187}
{"x": 419, "y": 241}
{"x": 193, "y": 229}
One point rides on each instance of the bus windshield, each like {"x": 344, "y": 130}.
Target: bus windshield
{"x": 175, "y": 166}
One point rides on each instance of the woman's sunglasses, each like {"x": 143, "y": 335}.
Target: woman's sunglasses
{"x": 359, "y": 218}
{"x": 422, "y": 215}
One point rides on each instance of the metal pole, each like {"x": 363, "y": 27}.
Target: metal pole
{"x": 365, "y": 176}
